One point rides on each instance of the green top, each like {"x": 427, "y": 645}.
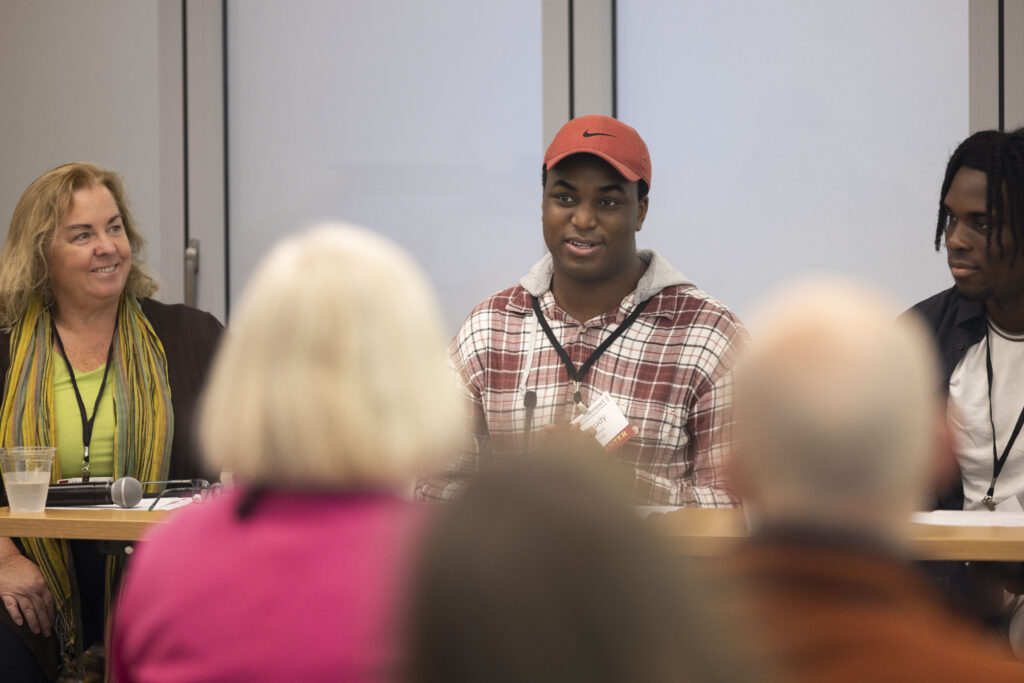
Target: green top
{"x": 69, "y": 421}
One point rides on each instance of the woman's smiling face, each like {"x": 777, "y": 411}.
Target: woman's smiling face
{"x": 90, "y": 254}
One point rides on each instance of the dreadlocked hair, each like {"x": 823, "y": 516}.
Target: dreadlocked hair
{"x": 1000, "y": 156}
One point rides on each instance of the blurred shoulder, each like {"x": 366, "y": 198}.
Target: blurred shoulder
{"x": 187, "y": 529}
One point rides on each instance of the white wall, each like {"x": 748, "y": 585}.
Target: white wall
{"x": 785, "y": 135}
{"x": 420, "y": 120}
{"x": 796, "y": 135}
{"x": 98, "y": 82}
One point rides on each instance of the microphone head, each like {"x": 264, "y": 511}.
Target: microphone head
{"x": 126, "y": 492}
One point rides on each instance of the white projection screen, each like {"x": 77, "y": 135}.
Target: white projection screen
{"x": 419, "y": 120}
{"x": 789, "y": 136}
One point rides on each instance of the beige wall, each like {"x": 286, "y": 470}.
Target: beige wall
{"x": 98, "y": 81}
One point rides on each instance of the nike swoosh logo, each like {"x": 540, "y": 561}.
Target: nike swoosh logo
{"x": 588, "y": 134}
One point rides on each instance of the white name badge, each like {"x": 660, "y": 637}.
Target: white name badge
{"x": 611, "y": 429}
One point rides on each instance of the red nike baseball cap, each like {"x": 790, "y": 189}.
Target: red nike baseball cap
{"x": 608, "y": 138}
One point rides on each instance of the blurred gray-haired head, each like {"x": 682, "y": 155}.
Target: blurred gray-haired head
{"x": 837, "y": 411}
{"x": 333, "y": 371}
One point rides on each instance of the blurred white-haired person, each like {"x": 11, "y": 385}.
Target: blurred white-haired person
{"x": 329, "y": 395}
{"x": 840, "y": 437}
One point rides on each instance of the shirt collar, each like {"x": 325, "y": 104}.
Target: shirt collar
{"x": 970, "y": 316}
{"x": 968, "y": 310}
{"x": 659, "y": 275}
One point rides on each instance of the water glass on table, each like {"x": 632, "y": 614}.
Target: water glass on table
{"x": 26, "y": 474}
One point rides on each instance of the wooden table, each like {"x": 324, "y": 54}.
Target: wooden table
{"x": 710, "y": 532}
{"x": 104, "y": 524}
{"x": 697, "y": 532}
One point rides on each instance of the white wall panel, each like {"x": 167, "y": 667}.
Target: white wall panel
{"x": 98, "y": 82}
{"x": 795, "y": 135}
{"x": 420, "y": 120}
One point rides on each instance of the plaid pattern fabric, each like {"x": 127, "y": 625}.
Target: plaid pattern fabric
{"x": 669, "y": 373}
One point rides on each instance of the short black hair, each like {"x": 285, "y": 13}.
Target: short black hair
{"x": 1000, "y": 156}
{"x": 641, "y": 185}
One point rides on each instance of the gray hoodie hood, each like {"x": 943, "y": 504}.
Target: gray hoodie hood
{"x": 659, "y": 275}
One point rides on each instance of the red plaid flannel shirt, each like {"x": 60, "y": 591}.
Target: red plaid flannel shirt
{"x": 670, "y": 373}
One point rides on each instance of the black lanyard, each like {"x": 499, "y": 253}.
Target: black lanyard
{"x": 87, "y": 422}
{"x": 997, "y": 462}
{"x": 577, "y": 375}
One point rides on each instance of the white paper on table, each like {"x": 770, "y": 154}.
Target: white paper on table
{"x": 646, "y": 511}
{"x": 170, "y": 503}
{"x": 968, "y": 518}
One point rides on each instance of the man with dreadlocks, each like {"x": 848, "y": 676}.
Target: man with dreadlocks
{"x": 979, "y": 328}
{"x": 979, "y": 322}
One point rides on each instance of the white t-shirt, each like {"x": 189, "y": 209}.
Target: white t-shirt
{"x": 969, "y": 417}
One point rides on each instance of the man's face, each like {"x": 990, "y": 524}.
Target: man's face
{"x": 980, "y": 273}
{"x": 591, "y": 216}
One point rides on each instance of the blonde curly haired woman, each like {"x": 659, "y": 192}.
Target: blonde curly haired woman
{"x": 94, "y": 366}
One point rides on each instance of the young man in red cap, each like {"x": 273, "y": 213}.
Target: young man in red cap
{"x": 601, "y": 336}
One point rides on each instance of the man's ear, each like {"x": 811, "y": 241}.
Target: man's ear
{"x": 641, "y": 212}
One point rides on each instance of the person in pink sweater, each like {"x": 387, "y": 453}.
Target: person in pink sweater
{"x": 328, "y": 396}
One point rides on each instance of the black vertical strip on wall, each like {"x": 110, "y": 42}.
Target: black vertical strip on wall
{"x": 572, "y": 66}
{"x": 615, "y": 60}
{"x": 184, "y": 109}
{"x": 1002, "y": 117}
{"x": 227, "y": 195}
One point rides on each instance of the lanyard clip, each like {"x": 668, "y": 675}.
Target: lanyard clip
{"x": 577, "y": 397}
{"x": 85, "y": 466}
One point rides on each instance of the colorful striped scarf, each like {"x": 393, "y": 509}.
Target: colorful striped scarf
{"x": 143, "y": 430}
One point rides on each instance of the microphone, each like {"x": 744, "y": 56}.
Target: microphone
{"x": 126, "y": 492}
